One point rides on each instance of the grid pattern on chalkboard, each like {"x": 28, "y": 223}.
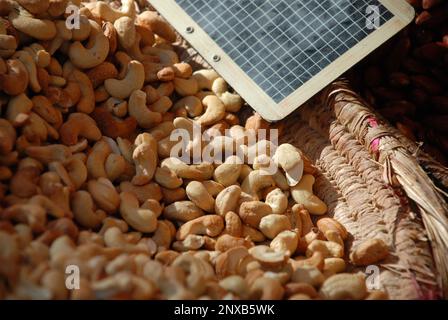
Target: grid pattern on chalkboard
{"x": 281, "y": 44}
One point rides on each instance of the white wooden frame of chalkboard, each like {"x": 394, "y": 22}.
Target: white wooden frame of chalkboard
{"x": 248, "y": 89}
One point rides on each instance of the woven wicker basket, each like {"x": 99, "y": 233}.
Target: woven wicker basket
{"x": 373, "y": 180}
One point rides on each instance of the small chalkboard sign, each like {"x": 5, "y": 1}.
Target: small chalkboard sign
{"x": 278, "y": 53}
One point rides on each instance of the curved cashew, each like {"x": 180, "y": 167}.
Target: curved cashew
{"x": 344, "y": 286}
{"x": 15, "y": 80}
{"x": 41, "y": 29}
{"x": 231, "y": 101}
{"x": 266, "y": 289}
{"x": 77, "y": 171}
{"x": 30, "y": 65}
{"x": 205, "y": 78}
{"x": 199, "y": 195}
{"x": 227, "y": 200}
{"x": 182, "y": 211}
{"x": 213, "y": 187}
{"x": 18, "y": 110}
{"x": 44, "y": 108}
{"x": 133, "y": 80}
{"x": 327, "y": 248}
{"x": 111, "y": 126}
{"x": 251, "y": 212}
{"x": 126, "y": 32}
{"x": 228, "y": 172}
{"x": 167, "y": 178}
{"x": 145, "y": 158}
{"x": 41, "y": 57}
{"x": 302, "y": 193}
{"x": 94, "y": 53}
{"x": 198, "y": 172}
{"x": 154, "y": 22}
{"x": 104, "y": 194}
{"x": 277, "y": 200}
{"x": 272, "y": 224}
{"x": 138, "y": 109}
{"x": 97, "y": 158}
{"x": 86, "y": 104}
{"x": 226, "y": 242}
{"x": 268, "y": 257}
{"x": 84, "y": 210}
{"x": 191, "y": 242}
{"x": 369, "y": 252}
{"x": 290, "y": 160}
{"x": 191, "y": 103}
{"x": 309, "y": 275}
{"x": 148, "y": 191}
{"x": 210, "y": 225}
{"x": 79, "y": 124}
{"x": 186, "y": 87}
{"x": 285, "y": 241}
{"x": 101, "y": 72}
{"x": 255, "y": 181}
{"x": 143, "y": 220}
{"x": 104, "y": 11}
{"x": 49, "y": 153}
{"x": 163, "y": 236}
{"x": 214, "y": 112}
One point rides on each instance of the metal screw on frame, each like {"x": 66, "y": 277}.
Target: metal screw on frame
{"x": 216, "y": 58}
{"x": 190, "y": 29}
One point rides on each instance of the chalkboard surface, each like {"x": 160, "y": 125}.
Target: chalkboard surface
{"x": 286, "y": 50}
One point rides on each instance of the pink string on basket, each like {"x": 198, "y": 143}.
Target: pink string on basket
{"x": 375, "y": 143}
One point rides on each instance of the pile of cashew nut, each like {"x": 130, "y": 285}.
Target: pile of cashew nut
{"x": 87, "y": 177}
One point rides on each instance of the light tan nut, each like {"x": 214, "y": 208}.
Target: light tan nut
{"x": 84, "y": 210}
{"x": 369, "y": 252}
{"x": 236, "y": 285}
{"x": 97, "y": 159}
{"x": 167, "y": 178}
{"x": 191, "y": 242}
{"x": 277, "y": 200}
{"x": 141, "y": 219}
{"x": 316, "y": 260}
{"x": 325, "y": 224}
{"x": 285, "y": 241}
{"x": 253, "y": 234}
{"x": 104, "y": 194}
{"x": 255, "y": 181}
{"x": 41, "y": 29}
{"x": 79, "y": 125}
{"x": 134, "y": 79}
{"x": 233, "y": 224}
{"x": 272, "y": 224}
{"x": 147, "y": 191}
{"x": 49, "y": 153}
{"x": 302, "y": 193}
{"x": 182, "y": 211}
{"x": 191, "y": 104}
{"x": 266, "y": 289}
{"x": 173, "y": 195}
{"x": 215, "y": 111}
{"x": 333, "y": 266}
{"x": 145, "y": 158}
{"x": 210, "y": 225}
{"x": 334, "y": 236}
{"x": 198, "y": 172}
{"x": 197, "y": 270}
{"x": 163, "y": 236}
{"x": 252, "y": 212}
{"x": 309, "y": 275}
{"x": 377, "y": 295}
{"x": 232, "y": 262}
{"x": 186, "y": 87}
{"x": 327, "y": 248}
{"x": 292, "y": 289}
{"x": 290, "y": 160}
{"x": 228, "y": 172}
{"x": 226, "y": 242}
{"x": 213, "y": 187}
{"x": 138, "y": 109}
{"x": 96, "y": 51}
{"x": 199, "y": 195}
{"x": 268, "y": 257}
{"x": 344, "y": 286}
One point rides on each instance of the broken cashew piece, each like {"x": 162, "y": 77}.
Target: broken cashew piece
{"x": 302, "y": 193}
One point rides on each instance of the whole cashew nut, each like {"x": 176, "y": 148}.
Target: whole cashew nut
{"x": 133, "y": 80}
{"x": 143, "y": 220}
